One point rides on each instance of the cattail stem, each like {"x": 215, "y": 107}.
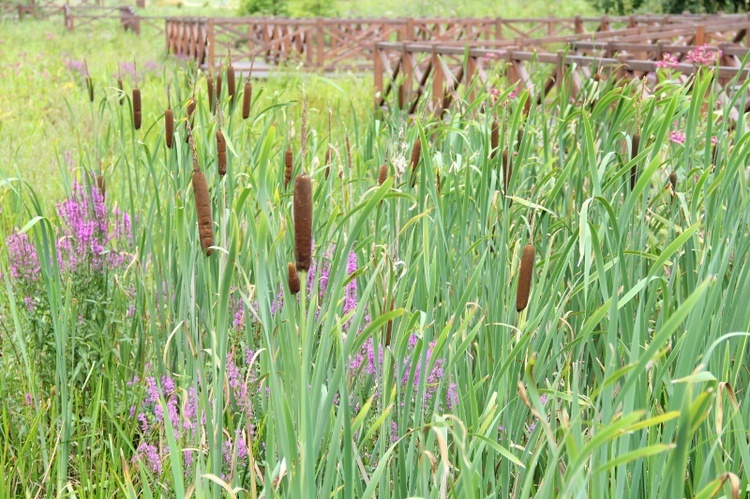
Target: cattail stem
{"x": 190, "y": 112}
{"x": 303, "y": 220}
{"x": 524, "y": 277}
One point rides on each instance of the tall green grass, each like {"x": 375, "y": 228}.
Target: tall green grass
{"x": 624, "y": 376}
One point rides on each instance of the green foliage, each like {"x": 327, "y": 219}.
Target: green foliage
{"x": 626, "y": 7}
{"x": 264, "y": 7}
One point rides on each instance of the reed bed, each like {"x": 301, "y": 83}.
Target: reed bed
{"x": 543, "y": 323}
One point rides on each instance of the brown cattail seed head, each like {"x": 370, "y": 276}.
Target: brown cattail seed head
{"x": 122, "y": 93}
{"x": 673, "y": 182}
{"x": 328, "y": 161}
{"x": 634, "y": 145}
{"x": 416, "y": 153}
{"x": 294, "y": 283}
{"x": 221, "y": 152}
{"x": 494, "y": 138}
{"x": 190, "y": 111}
{"x": 203, "y": 210}
{"x": 210, "y": 91}
{"x": 90, "y": 88}
{"x": 383, "y": 173}
{"x": 101, "y": 185}
{"x": 527, "y": 106}
{"x": 524, "y": 277}
{"x": 137, "y": 108}
{"x": 169, "y": 127}
{"x": 519, "y": 138}
{"x": 247, "y": 98}
{"x": 218, "y": 89}
{"x": 288, "y": 166}
{"x": 231, "y": 89}
{"x": 507, "y": 170}
{"x": 303, "y": 219}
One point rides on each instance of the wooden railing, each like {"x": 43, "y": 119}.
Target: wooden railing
{"x": 436, "y": 70}
{"x": 329, "y": 44}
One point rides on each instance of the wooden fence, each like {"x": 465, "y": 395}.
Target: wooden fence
{"x": 438, "y": 70}
{"x": 330, "y": 44}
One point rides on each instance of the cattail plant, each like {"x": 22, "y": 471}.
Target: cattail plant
{"x": 303, "y": 219}
{"x": 507, "y": 171}
{"x": 383, "y": 173}
{"x": 168, "y": 122}
{"x": 101, "y": 185}
{"x": 524, "y": 277}
{"x": 438, "y": 184}
{"x": 202, "y": 199}
{"x": 221, "y": 145}
{"x": 247, "y": 96}
{"x": 231, "y": 89}
{"x": 218, "y": 89}
{"x": 190, "y": 112}
{"x": 89, "y": 82}
{"x": 210, "y": 91}
{"x": 348, "y": 147}
{"x": 634, "y": 145}
{"x": 288, "y": 165}
{"x": 136, "y": 102}
{"x": 389, "y": 326}
{"x": 137, "y": 107}
{"x": 293, "y": 279}
{"x": 673, "y": 183}
{"x": 494, "y": 138}
{"x": 416, "y": 153}
{"x": 329, "y": 151}
{"x": 519, "y": 138}
{"x": 221, "y": 152}
{"x": 121, "y": 98}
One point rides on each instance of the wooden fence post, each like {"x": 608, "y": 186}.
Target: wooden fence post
{"x": 320, "y": 43}
{"x": 498, "y": 28}
{"x": 700, "y": 34}
{"x": 211, "y": 43}
{"x": 437, "y": 82}
{"x": 68, "y": 18}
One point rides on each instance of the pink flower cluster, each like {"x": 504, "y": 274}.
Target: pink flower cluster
{"x": 704, "y": 55}
{"x": 677, "y": 136}
{"x": 668, "y": 61}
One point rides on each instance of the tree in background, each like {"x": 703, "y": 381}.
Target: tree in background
{"x": 291, "y": 8}
{"x": 625, "y": 7}
{"x": 264, "y": 7}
